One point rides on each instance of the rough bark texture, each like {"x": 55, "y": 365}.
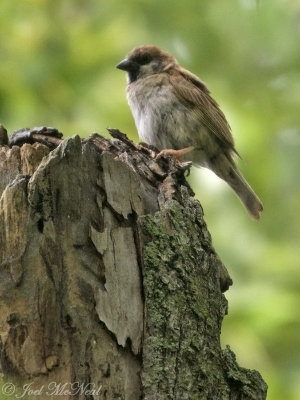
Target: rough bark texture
{"x": 108, "y": 276}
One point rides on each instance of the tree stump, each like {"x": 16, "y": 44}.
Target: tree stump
{"x": 109, "y": 285}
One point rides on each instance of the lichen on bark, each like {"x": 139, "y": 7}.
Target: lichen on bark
{"x": 184, "y": 309}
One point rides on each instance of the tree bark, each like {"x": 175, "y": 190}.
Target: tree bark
{"x": 109, "y": 285}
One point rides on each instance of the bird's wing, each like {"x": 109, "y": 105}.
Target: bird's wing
{"x": 193, "y": 91}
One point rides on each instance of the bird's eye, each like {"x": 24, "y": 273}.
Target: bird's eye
{"x": 143, "y": 59}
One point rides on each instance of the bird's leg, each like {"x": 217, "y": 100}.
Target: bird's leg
{"x": 176, "y": 153}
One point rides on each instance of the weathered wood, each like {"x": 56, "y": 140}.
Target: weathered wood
{"x": 108, "y": 276}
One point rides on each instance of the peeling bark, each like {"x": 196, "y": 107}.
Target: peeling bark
{"x": 108, "y": 276}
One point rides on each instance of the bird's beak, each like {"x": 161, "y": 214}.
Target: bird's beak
{"x": 128, "y": 65}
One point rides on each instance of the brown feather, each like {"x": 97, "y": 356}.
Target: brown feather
{"x": 188, "y": 87}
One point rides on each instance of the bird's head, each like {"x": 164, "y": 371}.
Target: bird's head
{"x": 143, "y": 61}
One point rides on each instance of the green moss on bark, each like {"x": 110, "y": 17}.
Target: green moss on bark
{"x": 184, "y": 307}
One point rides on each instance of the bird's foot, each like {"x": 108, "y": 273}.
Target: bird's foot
{"x": 176, "y": 153}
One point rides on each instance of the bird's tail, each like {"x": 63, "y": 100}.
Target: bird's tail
{"x": 243, "y": 190}
{"x": 245, "y": 193}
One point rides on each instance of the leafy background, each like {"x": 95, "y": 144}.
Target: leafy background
{"x": 58, "y": 69}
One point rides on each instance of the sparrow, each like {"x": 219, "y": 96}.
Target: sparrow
{"x": 174, "y": 111}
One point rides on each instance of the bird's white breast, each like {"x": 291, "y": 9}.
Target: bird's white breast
{"x": 159, "y": 117}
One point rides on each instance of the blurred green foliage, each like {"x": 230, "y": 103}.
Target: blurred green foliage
{"x": 58, "y": 69}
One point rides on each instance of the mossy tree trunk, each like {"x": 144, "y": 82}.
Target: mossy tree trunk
{"x": 109, "y": 284}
